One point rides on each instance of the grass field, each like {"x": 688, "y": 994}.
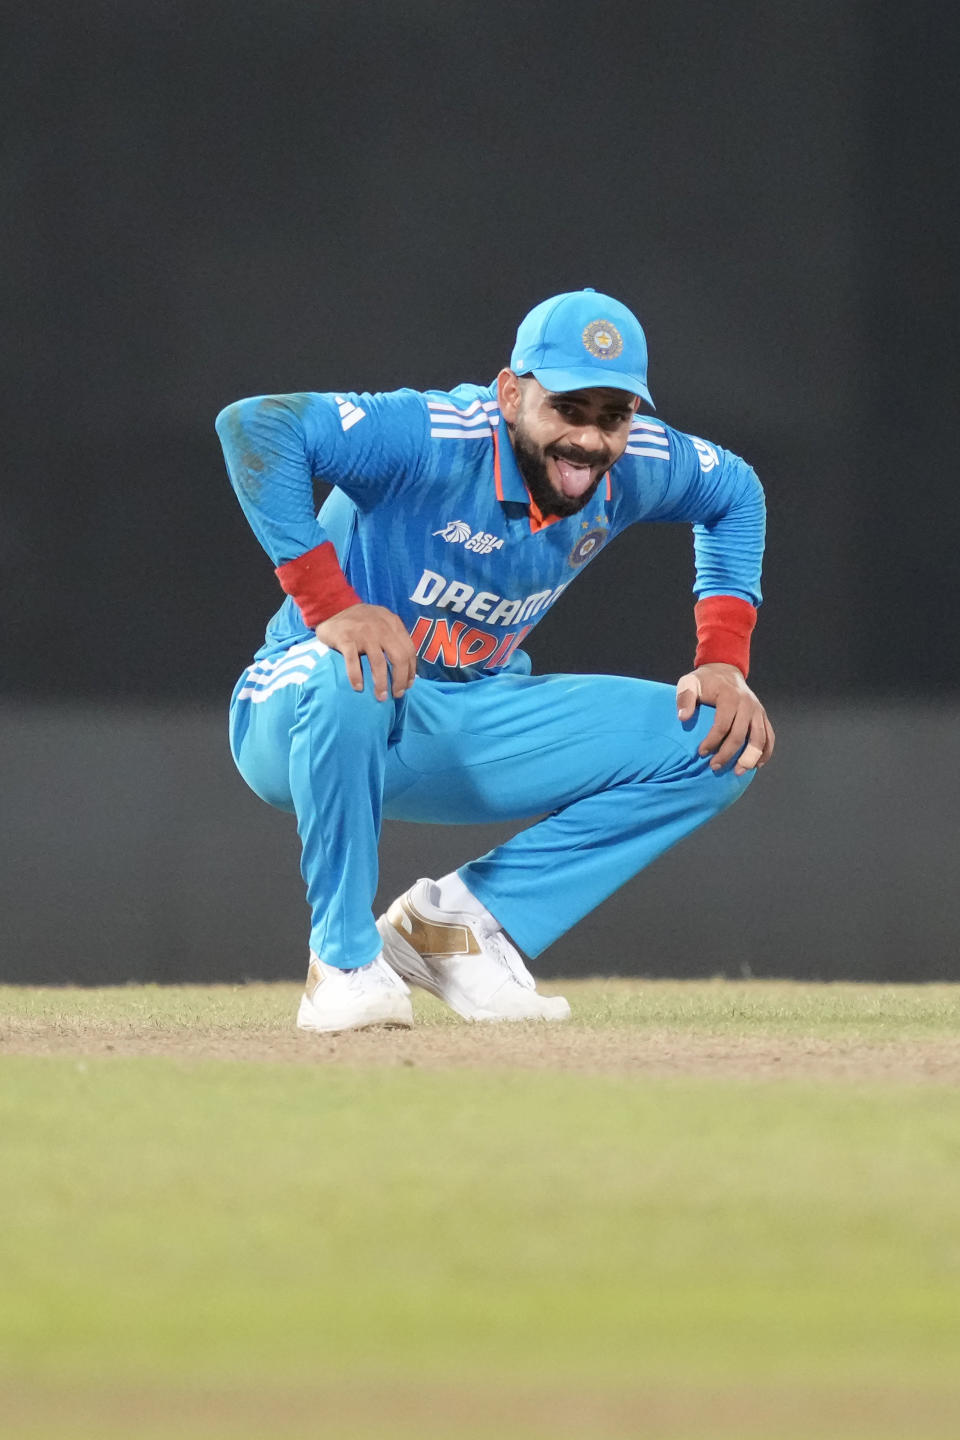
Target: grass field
{"x": 699, "y": 1210}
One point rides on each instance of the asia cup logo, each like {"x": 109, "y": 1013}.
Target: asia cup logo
{"x": 456, "y": 531}
{"x": 603, "y": 340}
{"x": 586, "y": 546}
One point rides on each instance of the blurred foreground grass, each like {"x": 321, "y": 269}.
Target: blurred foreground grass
{"x": 202, "y": 1247}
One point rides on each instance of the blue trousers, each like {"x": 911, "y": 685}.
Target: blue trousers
{"x": 604, "y": 759}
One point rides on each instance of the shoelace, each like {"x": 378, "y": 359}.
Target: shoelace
{"x": 509, "y": 957}
{"x": 360, "y": 980}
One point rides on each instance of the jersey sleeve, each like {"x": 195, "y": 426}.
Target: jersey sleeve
{"x": 690, "y": 479}
{"x": 275, "y": 446}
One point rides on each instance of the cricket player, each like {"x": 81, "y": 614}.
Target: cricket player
{"x": 393, "y": 682}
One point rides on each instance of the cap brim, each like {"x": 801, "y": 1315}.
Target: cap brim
{"x": 589, "y": 378}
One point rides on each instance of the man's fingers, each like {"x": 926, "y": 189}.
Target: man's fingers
{"x": 755, "y": 746}
{"x": 408, "y": 657}
{"x": 733, "y": 741}
{"x": 378, "y": 669}
{"x": 740, "y": 731}
{"x": 748, "y": 760}
{"x": 379, "y": 634}
{"x": 351, "y": 659}
{"x": 719, "y": 729}
{"x": 402, "y": 656}
{"x": 401, "y": 683}
{"x": 769, "y": 742}
{"x": 687, "y": 702}
{"x": 403, "y": 665}
{"x": 688, "y": 696}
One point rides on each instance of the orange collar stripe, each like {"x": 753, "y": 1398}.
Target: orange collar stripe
{"x": 537, "y": 520}
{"x": 497, "y": 477}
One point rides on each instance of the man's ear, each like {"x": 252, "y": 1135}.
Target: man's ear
{"x": 509, "y": 395}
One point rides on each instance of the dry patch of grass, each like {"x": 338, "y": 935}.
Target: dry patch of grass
{"x": 620, "y": 1027}
{"x": 505, "y": 1411}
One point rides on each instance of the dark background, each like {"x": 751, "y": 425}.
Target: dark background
{"x": 209, "y": 201}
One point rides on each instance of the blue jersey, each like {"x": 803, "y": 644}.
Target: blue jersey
{"x": 430, "y": 517}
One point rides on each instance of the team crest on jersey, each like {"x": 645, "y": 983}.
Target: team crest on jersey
{"x": 603, "y": 340}
{"x": 586, "y": 546}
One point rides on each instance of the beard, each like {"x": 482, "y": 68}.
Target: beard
{"x": 532, "y": 464}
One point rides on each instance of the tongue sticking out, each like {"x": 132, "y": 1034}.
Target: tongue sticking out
{"x": 574, "y": 479}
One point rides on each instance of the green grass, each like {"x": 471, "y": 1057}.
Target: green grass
{"x": 541, "y": 1253}
{"x": 716, "y": 1006}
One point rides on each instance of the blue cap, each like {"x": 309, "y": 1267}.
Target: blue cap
{"x": 581, "y": 340}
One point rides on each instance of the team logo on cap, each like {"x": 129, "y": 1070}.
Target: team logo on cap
{"x": 603, "y": 340}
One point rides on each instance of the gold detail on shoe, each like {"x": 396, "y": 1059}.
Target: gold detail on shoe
{"x": 430, "y": 937}
{"x": 314, "y": 979}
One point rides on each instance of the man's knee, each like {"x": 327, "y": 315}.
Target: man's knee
{"x": 260, "y": 744}
{"x": 731, "y": 784}
{"x": 263, "y": 733}
{"x": 678, "y": 742}
{"x": 720, "y": 787}
{"x": 327, "y": 697}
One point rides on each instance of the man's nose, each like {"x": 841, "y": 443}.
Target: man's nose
{"x": 589, "y": 437}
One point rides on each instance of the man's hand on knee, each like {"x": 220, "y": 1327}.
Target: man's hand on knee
{"x": 378, "y": 633}
{"x": 741, "y": 722}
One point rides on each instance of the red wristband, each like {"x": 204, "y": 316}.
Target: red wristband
{"x": 724, "y": 626}
{"x": 318, "y": 585}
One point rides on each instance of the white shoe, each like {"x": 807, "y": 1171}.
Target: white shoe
{"x": 472, "y": 967}
{"x": 336, "y": 1000}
